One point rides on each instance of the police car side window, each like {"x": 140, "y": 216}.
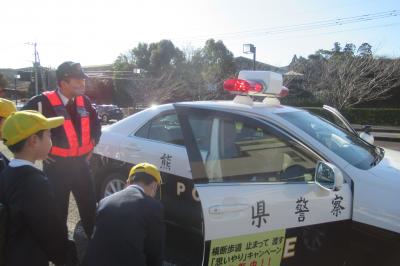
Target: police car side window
{"x": 143, "y": 132}
{"x": 165, "y": 128}
{"x": 251, "y": 154}
{"x": 201, "y": 127}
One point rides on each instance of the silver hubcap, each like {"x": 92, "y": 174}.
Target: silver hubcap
{"x": 113, "y": 186}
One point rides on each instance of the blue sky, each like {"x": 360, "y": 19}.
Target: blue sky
{"x": 95, "y": 32}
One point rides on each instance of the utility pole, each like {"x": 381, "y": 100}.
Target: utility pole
{"x": 36, "y": 73}
{"x": 43, "y": 87}
{"x": 35, "y": 67}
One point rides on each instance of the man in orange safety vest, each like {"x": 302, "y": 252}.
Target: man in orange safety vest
{"x": 67, "y": 166}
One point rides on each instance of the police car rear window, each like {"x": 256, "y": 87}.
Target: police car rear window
{"x": 165, "y": 128}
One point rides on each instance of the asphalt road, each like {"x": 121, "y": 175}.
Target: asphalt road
{"x": 389, "y": 145}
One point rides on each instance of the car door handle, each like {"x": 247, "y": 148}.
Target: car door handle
{"x": 133, "y": 147}
{"x": 227, "y": 208}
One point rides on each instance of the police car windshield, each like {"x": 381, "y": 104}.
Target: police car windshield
{"x": 343, "y": 143}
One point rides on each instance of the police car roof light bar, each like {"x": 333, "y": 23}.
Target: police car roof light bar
{"x": 244, "y": 87}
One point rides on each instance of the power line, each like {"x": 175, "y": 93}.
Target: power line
{"x": 122, "y": 78}
{"x": 330, "y": 24}
{"x": 110, "y": 74}
{"x": 99, "y": 74}
{"x": 108, "y": 71}
{"x": 127, "y": 75}
{"x": 330, "y": 32}
{"x": 302, "y": 27}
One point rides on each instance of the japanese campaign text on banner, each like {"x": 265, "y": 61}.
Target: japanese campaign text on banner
{"x": 263, "y": 249}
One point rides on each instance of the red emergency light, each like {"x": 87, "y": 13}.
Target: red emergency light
{"x": 284, "y": 92}
{"x": 241, "y": 86}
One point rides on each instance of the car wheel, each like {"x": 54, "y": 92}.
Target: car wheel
{"x": 104, "y": 118}
{"x": 313, "y": 239}
{"x": 113, "y": 183}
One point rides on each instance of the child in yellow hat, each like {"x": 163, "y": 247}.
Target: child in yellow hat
{"x": 6, "y": 108}
{"x": 38, "y": 234}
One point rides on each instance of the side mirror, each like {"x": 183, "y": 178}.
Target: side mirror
{"x": 328, "y": 176}
{"x": 366, "y": 135}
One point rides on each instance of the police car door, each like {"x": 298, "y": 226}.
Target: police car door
{"x": 260, "y": 203}
{"x": 160, "y": 142}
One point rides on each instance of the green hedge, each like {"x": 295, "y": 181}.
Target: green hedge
{"x": 368, "y": 116}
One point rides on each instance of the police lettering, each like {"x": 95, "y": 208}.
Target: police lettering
{"x": 290, "y": 246}
{"x": 181, "y": 188}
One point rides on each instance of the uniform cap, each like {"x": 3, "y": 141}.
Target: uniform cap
{"x": 70, "y": 70}
{"x": 146, "y": 168}
{"x": 6, "y": 108}
{"x": 23, "y": 124}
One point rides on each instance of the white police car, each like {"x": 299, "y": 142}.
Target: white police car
{"x": 258, "y": 183}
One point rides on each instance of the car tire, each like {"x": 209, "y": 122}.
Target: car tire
{"x": 111, "y": 184}
{"x": 313, "y": 239}
{"x": 104, "y": 118}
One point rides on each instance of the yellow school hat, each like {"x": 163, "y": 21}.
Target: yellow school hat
{"x": 23, "y": 124}
{"x": 6, "y": 108}
{"x": 147, "y": 168}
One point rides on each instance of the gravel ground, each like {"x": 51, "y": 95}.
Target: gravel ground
{"x": 73, "y": 216}
{"x": 75, "y": 229}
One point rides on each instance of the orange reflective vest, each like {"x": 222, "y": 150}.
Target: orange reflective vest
{"x": 75, "y": 149}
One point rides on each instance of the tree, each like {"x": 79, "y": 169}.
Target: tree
{"x": 349, "y": 49}
{"x": 168, "y": 87}
{"x": 343, "y": 79}
{"x": 365, "y": 49}
{"x": 312, "y": 70}
{"x": 336, "y": 48}
{"x": 294, "y": 60}
{"x": 354, "y": 80}
{"x": 152, "y": 58}
{"x": 162, "y": 78}
{"x": 215, "y": 63}
{"x": 100, "y": 90}
{"x": 163, "y": 55}
{"x": 122, "y": 82}
{"x": 141, "y": 56}
{"x": 169, "y": 75}
{"x": 189, "y": 51}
